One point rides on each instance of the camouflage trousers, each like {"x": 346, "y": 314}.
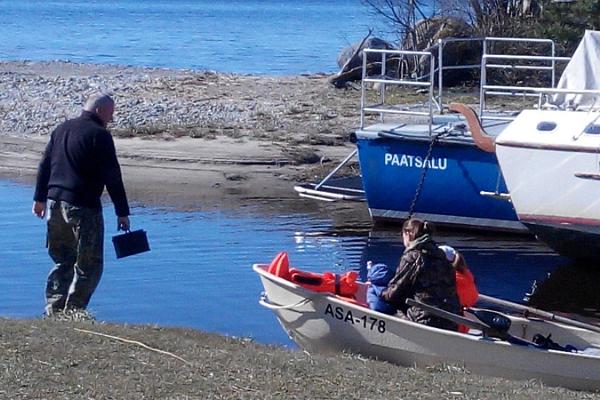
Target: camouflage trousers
{"x": 76, "y": 245}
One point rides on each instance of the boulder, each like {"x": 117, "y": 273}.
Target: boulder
{"x": 356, "y": 61}
{"x": 351, "y": 58}
{"x": 427, "y": 34}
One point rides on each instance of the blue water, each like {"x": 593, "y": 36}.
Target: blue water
{"x": 198, "y": 273}
{"x": 244, "y": 36}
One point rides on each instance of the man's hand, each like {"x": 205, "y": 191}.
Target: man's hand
{"x": 123, "y": 224}
{"x": 39, "y": 209}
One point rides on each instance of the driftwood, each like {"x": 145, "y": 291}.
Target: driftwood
{"x": 120, "y": 339}
{"x": 342, "y": 76}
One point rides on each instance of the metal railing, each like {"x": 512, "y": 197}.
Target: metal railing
{"x": 440, "y": 67}
{"x": 515, "y": 62}
{"x": 383, "y": 79}
{"x": 434, "y": 58}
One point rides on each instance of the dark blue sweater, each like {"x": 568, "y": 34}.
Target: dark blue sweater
{"x": 79, "y": 161}
{"x": 379, "y": 275}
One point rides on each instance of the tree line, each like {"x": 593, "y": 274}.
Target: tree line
{"x": 418, "y": 23}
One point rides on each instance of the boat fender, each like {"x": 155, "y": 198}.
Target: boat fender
{"x": 495, "y": 320}
{"x": 280, "y": 266}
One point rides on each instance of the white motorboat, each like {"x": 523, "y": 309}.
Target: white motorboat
{"x": 325, "y": 322}
{"x": 549, "y": 157}
{"x": 550, "y": 163}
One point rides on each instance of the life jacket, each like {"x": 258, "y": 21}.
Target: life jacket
{"x": 467, "y": 292}
{"x": 341, "y": 284}
{"x": 466, "y": 288}
{"x": 280, "y": 266}
{"x": 344, "y": 285}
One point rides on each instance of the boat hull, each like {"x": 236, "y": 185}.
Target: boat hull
{"x": 554, "y": 179}
{"x": 452, "y": 184}
{"x": 328, "y": 324}
{"x": 578, "y": 242}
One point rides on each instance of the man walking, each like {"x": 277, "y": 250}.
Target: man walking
{"x": 79, "y": 161}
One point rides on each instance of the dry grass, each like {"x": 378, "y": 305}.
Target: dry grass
{"x": 47, "y": 359}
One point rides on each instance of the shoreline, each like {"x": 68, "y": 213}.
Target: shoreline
{"x": 219, "y": 139}
{"x": 184, "y": 137}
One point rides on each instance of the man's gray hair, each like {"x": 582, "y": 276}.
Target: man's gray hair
{"x": 99, "y": 100}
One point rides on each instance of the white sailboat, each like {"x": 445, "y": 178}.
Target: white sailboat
{"x": 550, "y": 158}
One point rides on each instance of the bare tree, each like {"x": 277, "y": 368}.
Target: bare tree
{"x": 403, "y": 16}
{"x": 486, "y": 17}
{"x": 500, "y": 17}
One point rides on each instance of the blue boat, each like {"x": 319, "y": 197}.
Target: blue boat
{"x": 448, "y": 180}
{"x": 419, "y": 160}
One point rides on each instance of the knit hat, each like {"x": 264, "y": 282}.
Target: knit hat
{"x": 450, "y": 252}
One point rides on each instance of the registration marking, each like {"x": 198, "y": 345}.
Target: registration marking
{"x": 365, "y": 321}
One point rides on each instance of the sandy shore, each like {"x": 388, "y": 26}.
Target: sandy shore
{"x": 190, "y": 173}
{"x": 185, "y": 138}
{"x": 192, "y": 140}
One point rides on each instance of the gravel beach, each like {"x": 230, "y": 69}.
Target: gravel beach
{"x": 237, "y": 135}
{"x": 193, "y": 139}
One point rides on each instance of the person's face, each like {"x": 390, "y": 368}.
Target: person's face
{"x": 407, "y": 236}
{"x": 106, "y": 112}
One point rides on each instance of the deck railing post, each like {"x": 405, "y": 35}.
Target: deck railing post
{"x": 553, "y": 65}
{"x": 383, "y": 76}
{"x": 482, "y": 78}
{"x": 431, "y": 90}
{"x": 362, "y": 89}
{"x": 440, "y": 74}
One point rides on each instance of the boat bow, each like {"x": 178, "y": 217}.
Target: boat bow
{"x": 481, "y": 138}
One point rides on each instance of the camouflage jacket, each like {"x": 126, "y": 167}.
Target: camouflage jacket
{"x": 424, "y": 274}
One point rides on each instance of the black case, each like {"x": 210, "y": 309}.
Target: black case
{"x": 130, "y": 243}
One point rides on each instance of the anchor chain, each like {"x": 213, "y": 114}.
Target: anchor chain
{"x": 413, "y": 204}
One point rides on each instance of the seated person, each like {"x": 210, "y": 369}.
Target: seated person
{"x": 378, "y": 276}
{"x": 423, "y": 274}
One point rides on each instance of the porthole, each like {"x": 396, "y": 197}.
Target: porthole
{"x": 593, "y": 129}
{"x": 546, "y": 126}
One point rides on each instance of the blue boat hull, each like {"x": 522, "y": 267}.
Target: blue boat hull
{"x": 457, "y": 173}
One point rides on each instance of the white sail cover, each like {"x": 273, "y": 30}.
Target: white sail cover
{"x": 582, "y": 72}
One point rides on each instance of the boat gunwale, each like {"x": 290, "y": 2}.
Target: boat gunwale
{"x": 548, "y": 147}
{"x": 261, "y": 269}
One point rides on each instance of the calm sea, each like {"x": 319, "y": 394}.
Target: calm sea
{"x": 198, "y": 273}
{"x": 246, "y": 36}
